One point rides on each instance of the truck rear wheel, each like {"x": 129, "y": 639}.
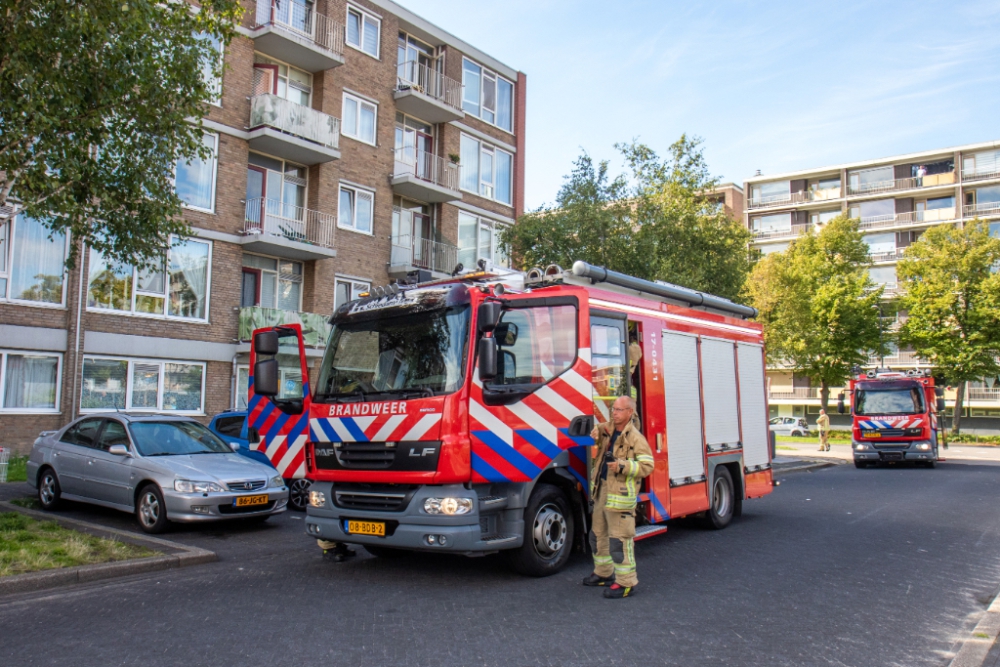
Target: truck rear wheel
{"x": 720, "y": 512}
{"x": 548, "y": 533}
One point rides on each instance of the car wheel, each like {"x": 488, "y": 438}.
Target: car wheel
{"x": 861, "y": 465}
{"x": 548, "y": 533}
{"x": 49, "y": 491}
{"x": 720, "y": 513}
{"x": 150, "y": 510}
{"x": 796, "y": 434}
{"x": 383, "y": 552}
{"x": 298, "y": 493}
{"x": 258, "y": 519}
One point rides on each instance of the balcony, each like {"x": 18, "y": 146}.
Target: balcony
{"x": 786, "y": 393}
{"x": 294, "y": 32}
{"x": 315, "y": 327}
{"x": 424, "y": 176}
{"x": 885, "y": 256}
{"x": 981, "y": 174}
{"x": 910, "y": 219}
{"x": 275, "y": 228}
{"x": 895, "y": 185}
{"x": 291, "y": 131}
{"x": 983, "y": 210}
{"x": 427, "y": 94}
{"x": 772, "y": 201}
{"x": 900, "y": 358}
{"x": 410, "y": 253}
{"x": 774, "y": 234}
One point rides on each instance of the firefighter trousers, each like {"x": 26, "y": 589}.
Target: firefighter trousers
{"x": 611, "y": 541}
{"x": 824, "y": 440}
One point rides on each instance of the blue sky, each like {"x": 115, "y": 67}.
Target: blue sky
{"x": 775, "y": 86}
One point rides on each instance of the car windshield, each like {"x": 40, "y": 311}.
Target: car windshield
{"x": 398, "y": 353}
{"x": 173, "y": 438}
{"x": 902, "y": 401}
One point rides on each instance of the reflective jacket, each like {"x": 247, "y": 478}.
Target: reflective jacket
{"x": 635, "y": 461}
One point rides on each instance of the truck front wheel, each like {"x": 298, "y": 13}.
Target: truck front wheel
{"x": 548, "y": 533}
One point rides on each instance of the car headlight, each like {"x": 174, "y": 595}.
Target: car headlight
{"x": 317, "y": 498}
{"x": 448, "y": 505}
{"x": 277, "y": 481}
{"x": 190, "y": 486}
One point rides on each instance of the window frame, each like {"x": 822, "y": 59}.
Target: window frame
{"x": 354, "y": 282}
{"x": 166, "y": 295}
{"x": 277, "y": 277}
{"x": 4, "y": 354}
{"x": 215, "y": 179}
{"x": 129, "y": 385}
{"x": 216, "y": 83}
{"x": 484, "y": 74}
{"x": 495, "y": 226}
{"x": 492, "y": 150}
{"x": 363, "y": 14}
{"x": 5, "y": 297}
{"x": 361, "y": 101}
{"x": 355, "y": 189}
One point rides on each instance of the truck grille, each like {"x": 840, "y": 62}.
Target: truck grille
{"x": 373, "y": 498}
{"x": 247, "y": 486}
{"x": 366, "y": 455}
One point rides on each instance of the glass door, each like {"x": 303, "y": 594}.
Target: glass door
{"x": 609, "y": 364}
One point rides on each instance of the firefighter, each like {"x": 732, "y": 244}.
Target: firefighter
{"x": 823, "y": 424}
{"x": 337, "y": 551}
{"x": 624, "y": 459}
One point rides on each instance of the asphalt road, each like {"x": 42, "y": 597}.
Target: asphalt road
{"x": 838, "y": 567}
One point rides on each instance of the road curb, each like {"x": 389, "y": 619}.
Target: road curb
{"x": 976, "y": 648}
{"x": 806, "y": 464}
{"x": 179, "y": 555}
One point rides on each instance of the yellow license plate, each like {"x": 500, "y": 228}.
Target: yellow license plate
{"x": 248, "y": 501}
{"x": 376, "y": 528}
{"x": 871, "y": 434}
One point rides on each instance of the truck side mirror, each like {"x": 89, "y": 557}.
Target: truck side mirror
{"x": 265, "y": 376}
{"x": 265, "y": 342}
{"x": 939, "y": 392}
{"x": 253, "y": 435}
{"x": 487, "y": 357}
{"x": 940, "y": 405}
{"x": 840, "y": 403}
{"x": 488, "y": 315}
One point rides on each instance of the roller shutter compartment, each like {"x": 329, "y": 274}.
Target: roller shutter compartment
{"x": 682, "y": 392}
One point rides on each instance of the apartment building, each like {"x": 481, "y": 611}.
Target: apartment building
{"x": 896, "y": 200}
{"x": 354, "y": 143}
{"x": 730, "y": 197}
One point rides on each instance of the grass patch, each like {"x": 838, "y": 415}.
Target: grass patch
{"x": 29, "y": 545}
{"x": 785, "y": 447}
{"x": 28, "y": 502}
{"x": 17, "y": 469}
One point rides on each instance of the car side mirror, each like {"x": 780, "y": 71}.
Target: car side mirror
{"x": 940, "y": 405}
{"x": 581, "y": 426}
{"x": 266, "y": 342}
{"x": 253, "y": 435}
{"x": 487, "y": 358}
{"x": 488, "y": 315}
{"x": 841, "y": 408}
{"x": 119, "y": 450}
{"x": 265, "y": 376}
{"x": 235, "y": 446}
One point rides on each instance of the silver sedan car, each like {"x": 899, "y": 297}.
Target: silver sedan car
{"x": 161, "y": 468}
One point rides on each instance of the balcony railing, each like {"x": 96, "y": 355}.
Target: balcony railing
{"x": 291, "y": 118}
{"x": 778, "y": 200}
{"x": 271, "y": 217}
{"x": 411, "y": 75}
{"x": 904, "y": 357}
{"x": 984, "y": 210}
{"x": 420, "y": 253}
{"x": 984, "y": 393}
{"x": 904, "y": 219}
{"x": 794, "y": 392}
{"x": 426, "y": 166}
{"x": 794, "y": 230}
{"x": 897, "y": 184}
{"x": 304, "y": 21}
{"x": 981, "y": 174}
{"x": 887, "y": 255}
{"x": 315, "y": 327}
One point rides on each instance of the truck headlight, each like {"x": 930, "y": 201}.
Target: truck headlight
{"x": 448, "y": 505}
{"x": 317, "y": 498}
{"x": 277, "y": 481}
{"x": 192, "y": 486}
{"x": 860, "y": 446}
{"x": 923, "y": 446}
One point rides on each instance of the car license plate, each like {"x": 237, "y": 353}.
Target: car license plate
{"x": 871, "y": 434}
{"x": 249, "y": 501}
{"x": 376, "y": 528}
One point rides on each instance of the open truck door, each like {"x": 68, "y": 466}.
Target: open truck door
{"x": 279, "y": 398}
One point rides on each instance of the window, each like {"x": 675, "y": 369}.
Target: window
{"x": 231, "y": 426}
{"x": 773, "y": 247}
{"x": 880, "y": 243}
{"x": 31, "y": 264}
{"x": 242, "y": 400}
{"x": 142, "y": 385}
{"x": 983, "y": 164}
{"x": 271, "y": 283}
{"x": 487, "y": 95}
{"x": 348, "y": 289}
{"x": 766, "y": 193}
{"x": 359, "y": 119}
{"x": 873, "y": 211}
{"x": 771, "y": 224}
{"x": 29, "y": 381}
{"x": 486, "y": 170}
{"x": 478, "y": 238}
{"x": 542, "y": 347}
{"x": 871, "y": 179}
{"x": 83, "y": 433}
{"x": 356, "y": 209}
{"x": 277, "y": 78}
{"x": 820, "y": 217}
{"x": 211, "y": 68}
{"x": 195, "y": 179}
{"x": 178, "y": 287}
{"x": 276, "y": 189}
{"x": 363, "y": 30}
{"x": 883, "y": 275}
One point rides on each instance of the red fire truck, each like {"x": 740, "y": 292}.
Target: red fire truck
{"x": 455, "y": 415}
{"x": 894, "y": 417}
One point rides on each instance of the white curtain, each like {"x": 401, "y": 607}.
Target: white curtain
{"x": 31, "y": 382}
{"x": 188, "y": 279}
{"x": 37, "y": 267}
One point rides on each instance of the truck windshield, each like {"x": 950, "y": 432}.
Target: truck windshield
{"x": 396, "y": 355}
{"x": 903, "y": 401}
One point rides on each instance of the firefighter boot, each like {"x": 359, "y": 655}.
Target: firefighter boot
{"x": 336, "y": 551}
{"x": 617, "y": 591}
{"x": 598, "y": 580}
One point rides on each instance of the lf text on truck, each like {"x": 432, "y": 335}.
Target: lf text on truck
{"x": 455, "y": 415}
{"x": 894, "y": 416}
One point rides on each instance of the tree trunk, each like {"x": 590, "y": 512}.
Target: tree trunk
{"x": 824, "y": 395}
{"x": 956, "y": 419}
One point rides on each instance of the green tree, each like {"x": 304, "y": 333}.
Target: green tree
{"x": 818, "y": 305}
{"x": 952, "y": 293}
{"x": 98, "y": 102}
{"x": 654, "y": 223}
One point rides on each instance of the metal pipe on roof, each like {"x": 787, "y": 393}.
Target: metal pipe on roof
{"x": 667, "y": 290}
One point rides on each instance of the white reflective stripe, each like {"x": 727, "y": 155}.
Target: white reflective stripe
{"x": 535, "y": 421}
{"x": 549, "y": 396}
{"x": 364, "y": 422}
{"x": 299, "y": 473}
{"x": 290, "y": 454}
{"x": 584, "y": 353}
{"x": 671, "y": 316}
{"x": 273, "y": 447}
{"x": 318, "y": 434}
{"x": 491, "y": 422}
{"x": 342, "y": 432}
{"x": 579, "y": 383}
{"x": 475, "y": 378}
{"x": 603, "y": 409}
{"x": 388, "y": 428}
{"x": 422, "y": 426}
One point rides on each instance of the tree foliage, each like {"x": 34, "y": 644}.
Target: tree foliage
{"x": 653, "y": 223}
{"x": 98, "y": 102}
{"x": 952, "y": 293}
{"x": 818, "y": 305}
